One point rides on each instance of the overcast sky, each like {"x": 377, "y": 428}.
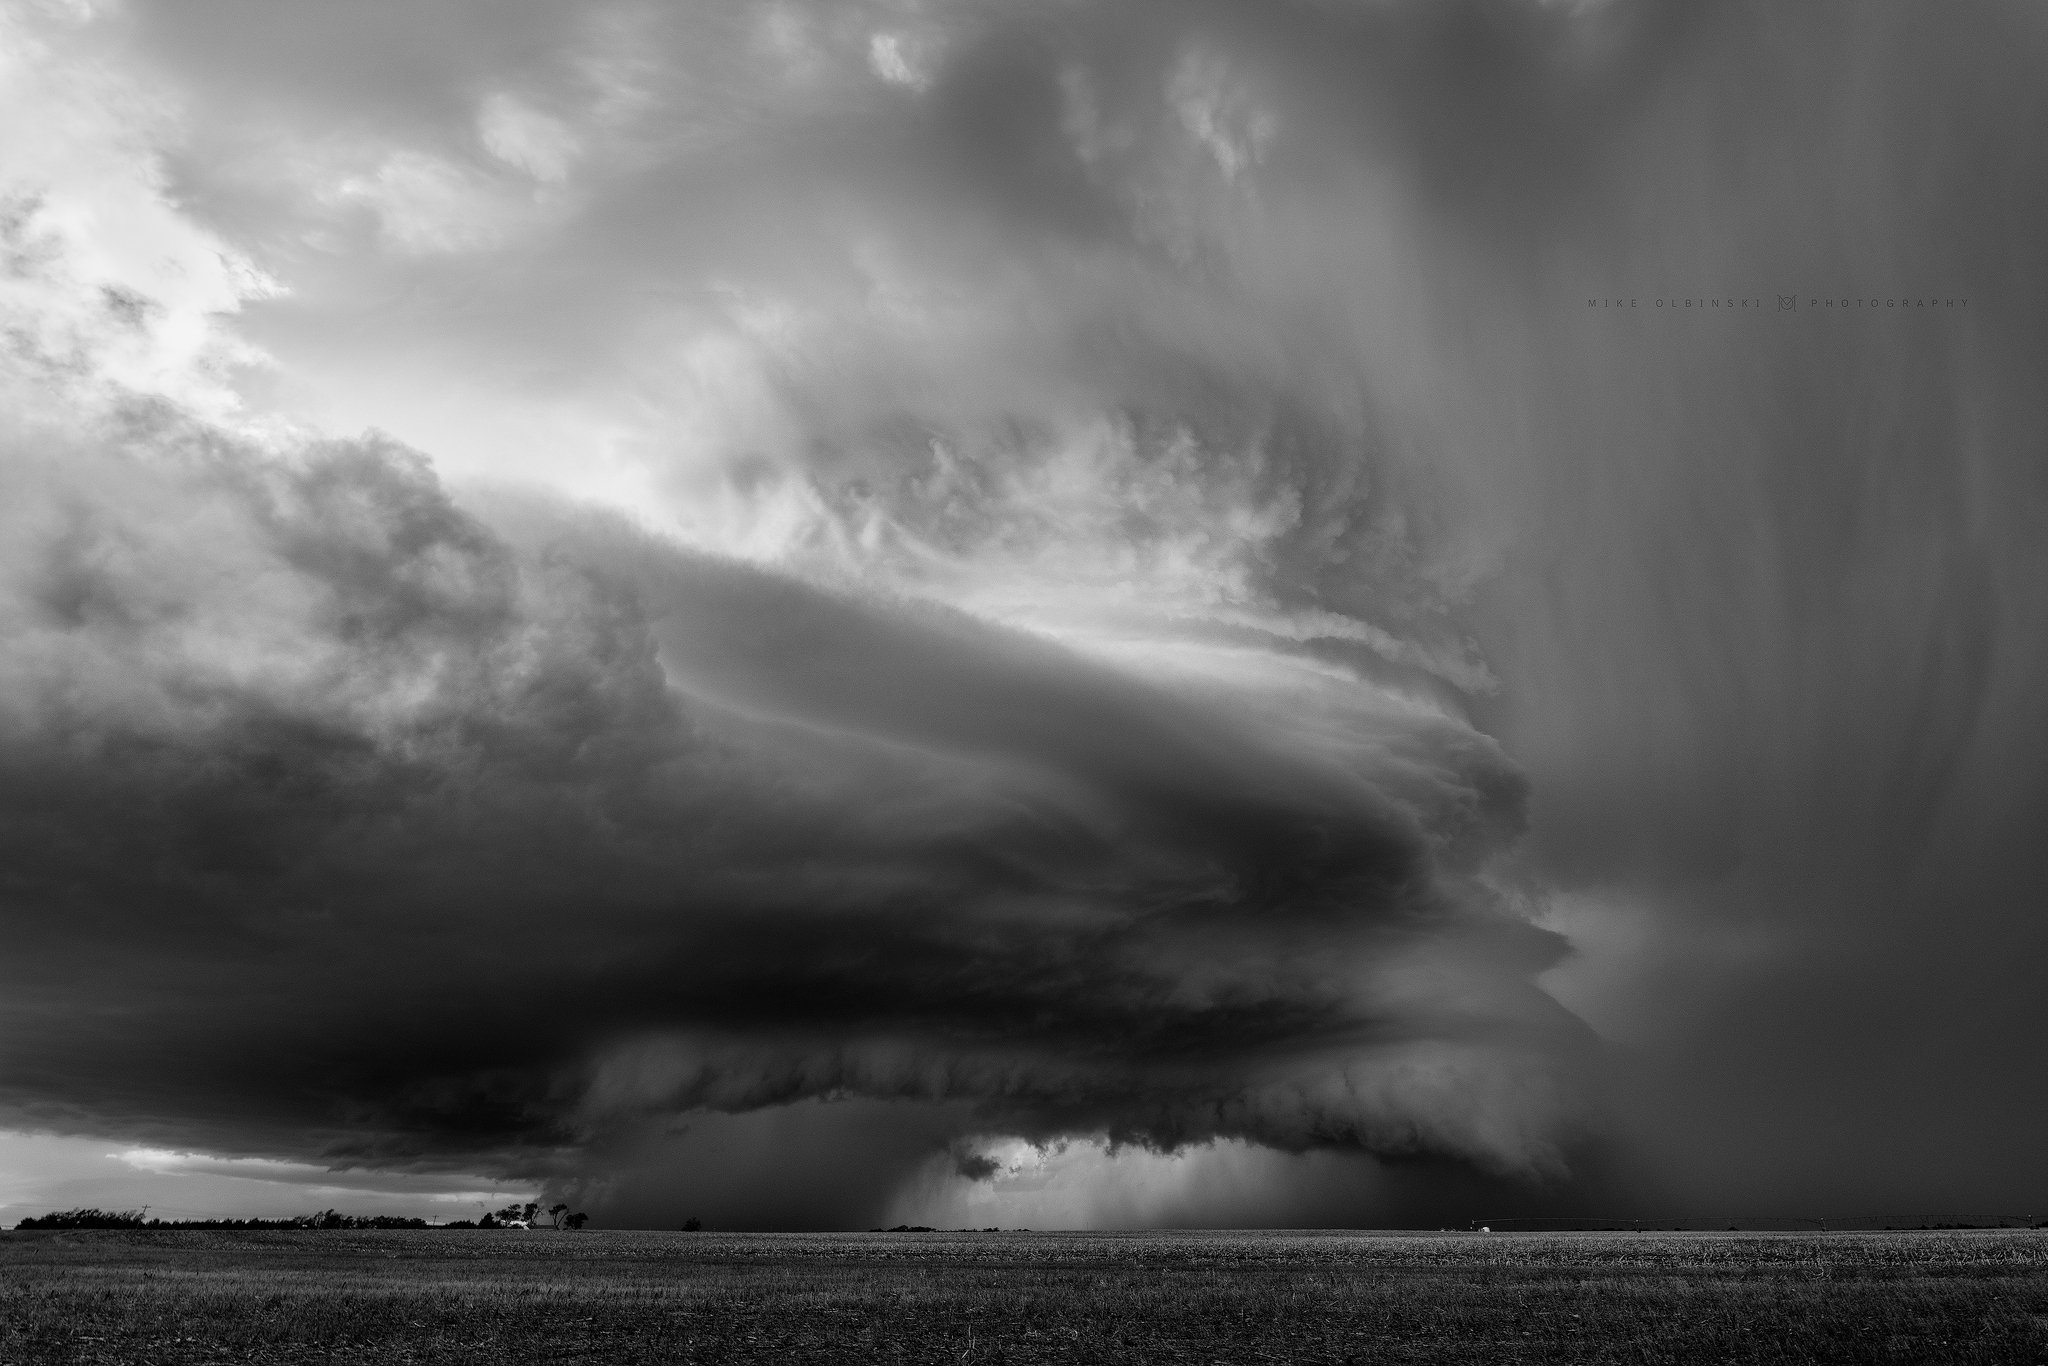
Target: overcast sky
{"x": 838, "y": 611}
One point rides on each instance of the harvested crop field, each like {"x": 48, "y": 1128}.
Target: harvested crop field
{"x": 485, "y": 1296}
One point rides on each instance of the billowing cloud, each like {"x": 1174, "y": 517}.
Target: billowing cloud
{"x": 334, "y": 808}
{"x": 986, "y": 563}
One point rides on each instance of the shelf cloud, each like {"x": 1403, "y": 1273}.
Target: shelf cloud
{"x": 335, "y": 812}
{"x": 1396, "y": 603}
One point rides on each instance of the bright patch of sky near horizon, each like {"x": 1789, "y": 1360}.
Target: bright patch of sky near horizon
{"x": 44, "y": 1172}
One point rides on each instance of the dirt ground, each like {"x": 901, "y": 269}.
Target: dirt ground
{"x": 617, "y": 1297}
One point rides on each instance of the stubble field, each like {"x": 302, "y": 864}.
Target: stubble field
{"x": 488, "y": 1296}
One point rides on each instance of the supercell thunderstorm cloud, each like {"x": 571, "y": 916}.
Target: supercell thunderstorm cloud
{"x": 1312, "y": 612}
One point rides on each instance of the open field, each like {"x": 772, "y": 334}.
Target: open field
{"x": 179, "y": 1297}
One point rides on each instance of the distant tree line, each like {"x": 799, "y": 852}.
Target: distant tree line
{"x": 86, "y": 1218}
{"x": 512, "y": 1216}
{"x": 1764, "y": 1223}
{"x": 101, "y": 1218}
{"x": 528, "y": 1215}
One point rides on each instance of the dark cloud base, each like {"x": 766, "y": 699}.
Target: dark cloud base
{"x": 341, "y": 817}
{"x": 423, "y": 847}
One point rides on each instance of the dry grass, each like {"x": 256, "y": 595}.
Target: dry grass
{"x": 181, "y": 1297}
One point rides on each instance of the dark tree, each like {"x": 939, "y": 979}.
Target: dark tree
{"x": 85, "y": 1218}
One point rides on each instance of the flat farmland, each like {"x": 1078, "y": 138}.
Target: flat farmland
{"x": 618, "y": 1297}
